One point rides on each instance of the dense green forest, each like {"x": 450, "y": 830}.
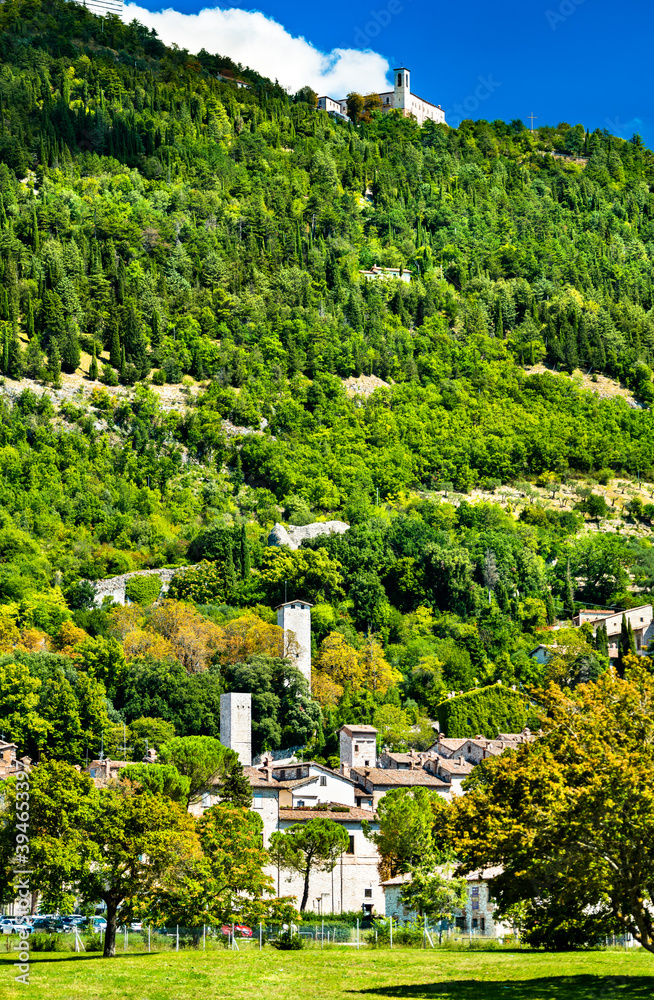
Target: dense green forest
{"x": 174, "y": 229}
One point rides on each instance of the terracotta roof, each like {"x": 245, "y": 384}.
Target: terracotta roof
{"x": 353, "y": 814}
{"x": 381, "y": 776}
{"x": 481, "y": 874}
{"x": 257, "y": 778}
{"x": 351, "y": 730}
{"x": 448, "y": 744}
{"x": 396, "y": 880}
{"x": 452, "y": 765}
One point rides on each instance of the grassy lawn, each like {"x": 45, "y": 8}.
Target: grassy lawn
{"x": 335, "y": 974}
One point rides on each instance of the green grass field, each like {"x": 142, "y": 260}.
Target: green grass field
{"x": 336, "y": 974}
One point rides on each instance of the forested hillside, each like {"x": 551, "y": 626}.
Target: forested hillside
{"x": 159, "y": 225}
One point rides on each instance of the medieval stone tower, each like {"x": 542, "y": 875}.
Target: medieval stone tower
{"x": 295, "y": 618}
{"x": 402, "y": 89}
{"x": 236, "y": 725}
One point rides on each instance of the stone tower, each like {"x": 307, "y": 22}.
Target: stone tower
{"x": 236, "y": 725}
{"x": 295, "y": 618}
{"x": 358, "y": 746}
{"x": 402, "y": 89}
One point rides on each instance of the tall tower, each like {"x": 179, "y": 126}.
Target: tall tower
{"x": 236, "y": 725}
{"x": 295, "y": 618}
{"x": 402, "y": 94}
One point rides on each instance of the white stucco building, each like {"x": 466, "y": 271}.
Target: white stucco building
{"x": 399, "y": 98}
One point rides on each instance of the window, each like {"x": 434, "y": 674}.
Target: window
{"x": 257, "y": 800}
{"x": 350, "y": 846}
{"x": 356, "y": 747}
{"x": 92, "y": 772}
{"x": 475, "y": 922}
{"x": 367, "y": 893}
{"x": 482, "y": 925}
{"x": 300, "y": 804}
{"x": 323, "y": 780}
{"x": 366, "y": 763}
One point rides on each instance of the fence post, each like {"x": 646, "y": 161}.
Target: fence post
{"x": 126, "y": 942}
{"x": 391, "y": 932}
{"x": 148, "y": 937}
{"x": 260, "y": 935}
{"x": 424, "y": 932}
{"x": 204, "y": 937}
{"x": 177, "y": 937}
{"x": 322, "y": 934}
{"x": 357, "y": 932}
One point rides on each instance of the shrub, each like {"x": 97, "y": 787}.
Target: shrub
{"x": 143, "y": 589}
{"x": 202, "y": 584}
{"x": 288, "y": 941}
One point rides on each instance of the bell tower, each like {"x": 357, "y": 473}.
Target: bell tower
{"x": 402, "y": 88}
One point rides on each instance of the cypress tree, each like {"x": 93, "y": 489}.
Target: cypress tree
{"x": 54, "y": 365}
{"x": 93, "y": 367}
{"x": 245, "y": 554}
{"x": 70, "y": 350}
{"x": 114, "y": 343}
{"x": 569, "y": 591}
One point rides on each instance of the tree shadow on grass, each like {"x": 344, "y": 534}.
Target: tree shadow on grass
{"x": 556, "y": 987}
{"x": 76, "y": 957}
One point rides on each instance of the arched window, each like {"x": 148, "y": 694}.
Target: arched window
{"x": 399, "y": 79}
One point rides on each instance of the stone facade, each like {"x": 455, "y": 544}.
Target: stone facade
{"x": 294, "y": 617}
{"x": 236, "y": 725}
{"x": 294, "y": 534}
{"x": 358, "y": 746}
{"x": 476, "y": 918}
{"x": 114, "y": 586}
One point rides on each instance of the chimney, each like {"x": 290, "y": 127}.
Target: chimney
{"x": 345, "y": 770}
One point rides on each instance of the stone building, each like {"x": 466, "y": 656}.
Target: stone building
{"x": 376, "y": 781}
{"x": 294, "y": 617}
{"x": 236, "y": 724}
{"x": 10, "y": 763}
{"x": 476, "y": 918}
{"x": 358, "y": 746}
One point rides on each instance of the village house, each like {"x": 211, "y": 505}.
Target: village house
{"x": 10, "y": 764}
{"x": 641, "y": 620}
{"x": 476, "y": 918}
{"x": 376, "y": 272}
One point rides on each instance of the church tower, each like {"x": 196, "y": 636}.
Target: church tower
{"x": 402, "y": 89}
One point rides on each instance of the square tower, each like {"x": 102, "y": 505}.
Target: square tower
{"x": 402, "y": 88}
{"x": 295, "y": 618}
{"x": 358, "y": 746}
{"x": 236, "y": 725}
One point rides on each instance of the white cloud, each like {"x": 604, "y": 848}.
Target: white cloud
{"x": 257, "y": 41}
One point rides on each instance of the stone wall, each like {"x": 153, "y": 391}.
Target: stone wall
{"x": 114, "y": 587}
{"x": 293, "y": 535}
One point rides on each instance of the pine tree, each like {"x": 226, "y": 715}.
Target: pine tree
{"x": 29, "y": 317}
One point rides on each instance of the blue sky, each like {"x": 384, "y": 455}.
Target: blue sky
{"x": 585, "y": 61}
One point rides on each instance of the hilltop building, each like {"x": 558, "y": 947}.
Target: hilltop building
{"x": 102, "y": 7}
{"x": 398, "y": 99}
